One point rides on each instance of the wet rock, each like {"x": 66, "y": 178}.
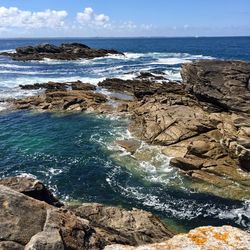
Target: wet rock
{"x": 129, "y": 145}
{"x": 136, "y": 226}
{"x": 31, "y": 187}
{"x": 70, "y": 51}
{"x": 150, "y": 76}
{"x": 205, "y": 238}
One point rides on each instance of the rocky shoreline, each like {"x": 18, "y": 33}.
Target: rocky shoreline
{"x": 202, "y": 123}
{"x": 32, "y": 218}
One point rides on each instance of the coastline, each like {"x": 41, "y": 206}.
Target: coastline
{"x": 202, "y": 133}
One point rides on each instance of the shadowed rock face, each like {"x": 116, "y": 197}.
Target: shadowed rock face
{"x": 225, "y": 84}
{"x": 29, "y": 222}
{"x": 32, "y": 188}
{"x": 68, "y": 51}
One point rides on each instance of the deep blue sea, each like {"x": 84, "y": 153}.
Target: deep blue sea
{"x": 76, "y": 154}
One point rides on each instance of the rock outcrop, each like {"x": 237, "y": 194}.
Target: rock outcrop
{"x": 226, "y": 84}
{"x": 66, "y": 51}
{"x": 29, "y": 222}
{"x": 70, "y": 96}
{"x": 139, "y": 88}
{"x": 202, "y": 238}
{"x": 204, "y": 127}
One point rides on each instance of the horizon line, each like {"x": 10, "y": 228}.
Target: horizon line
{"x": 120, "y": 37}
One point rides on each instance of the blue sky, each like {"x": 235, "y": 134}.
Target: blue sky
{"x": 34, "y": 18}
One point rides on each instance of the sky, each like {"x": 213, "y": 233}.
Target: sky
{"x": 128, "y": 18}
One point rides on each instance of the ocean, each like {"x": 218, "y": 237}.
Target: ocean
{"x": 76, "y": 154}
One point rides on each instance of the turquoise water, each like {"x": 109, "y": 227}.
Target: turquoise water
{"x": 76, "y": 154}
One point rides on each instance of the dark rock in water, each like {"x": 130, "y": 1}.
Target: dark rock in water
{"x": 150, "y": 76}
{"x": 47, "y": 86}
{"x": 139, "y": 88}
{"x": 77, "y": 85}
{"x": 136, "y": 226}
{"x": 226, "y": 84}
{"x": 31, "y": 187}
{"x": 70, "y": 51}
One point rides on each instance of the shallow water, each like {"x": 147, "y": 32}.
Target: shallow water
{"x": 76, "y": 155}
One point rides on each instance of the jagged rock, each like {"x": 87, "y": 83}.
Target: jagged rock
{"x": 70, "y": 51}
{"x": 202, "y": 238}
{"x": 61, "y": 100}
{"x": 32, "y": 188}
{"x": 225, "y": 84}
{"x": 139, "y": 88}
{"x": 150, "y": 76}
{"x": 136, "y": 226}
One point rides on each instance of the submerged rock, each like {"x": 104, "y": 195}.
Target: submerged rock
{"x": 67, "y": 51}
{"x": 202, "y": 238}
{"x": 129, "y": 145}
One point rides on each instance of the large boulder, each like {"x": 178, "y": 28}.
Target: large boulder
{"x": 223, "y": 83}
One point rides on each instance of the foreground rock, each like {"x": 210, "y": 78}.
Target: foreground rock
{"x": 28, "y": 223}
{"x": 66, "y": 51}
{"x": 202, "y": 238}
{"x": 135, "y": 226}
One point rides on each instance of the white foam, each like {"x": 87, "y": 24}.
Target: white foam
{"x": 14, "y": 66}
{"x": 171, "y": 61}
{"x": 8, "y": 50}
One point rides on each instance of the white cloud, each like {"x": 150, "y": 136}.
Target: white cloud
{"x": 15, "y": 18}
{"x": 88, "y": 17}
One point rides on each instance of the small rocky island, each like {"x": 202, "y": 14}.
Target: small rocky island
{"x": 66, "y": 51}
